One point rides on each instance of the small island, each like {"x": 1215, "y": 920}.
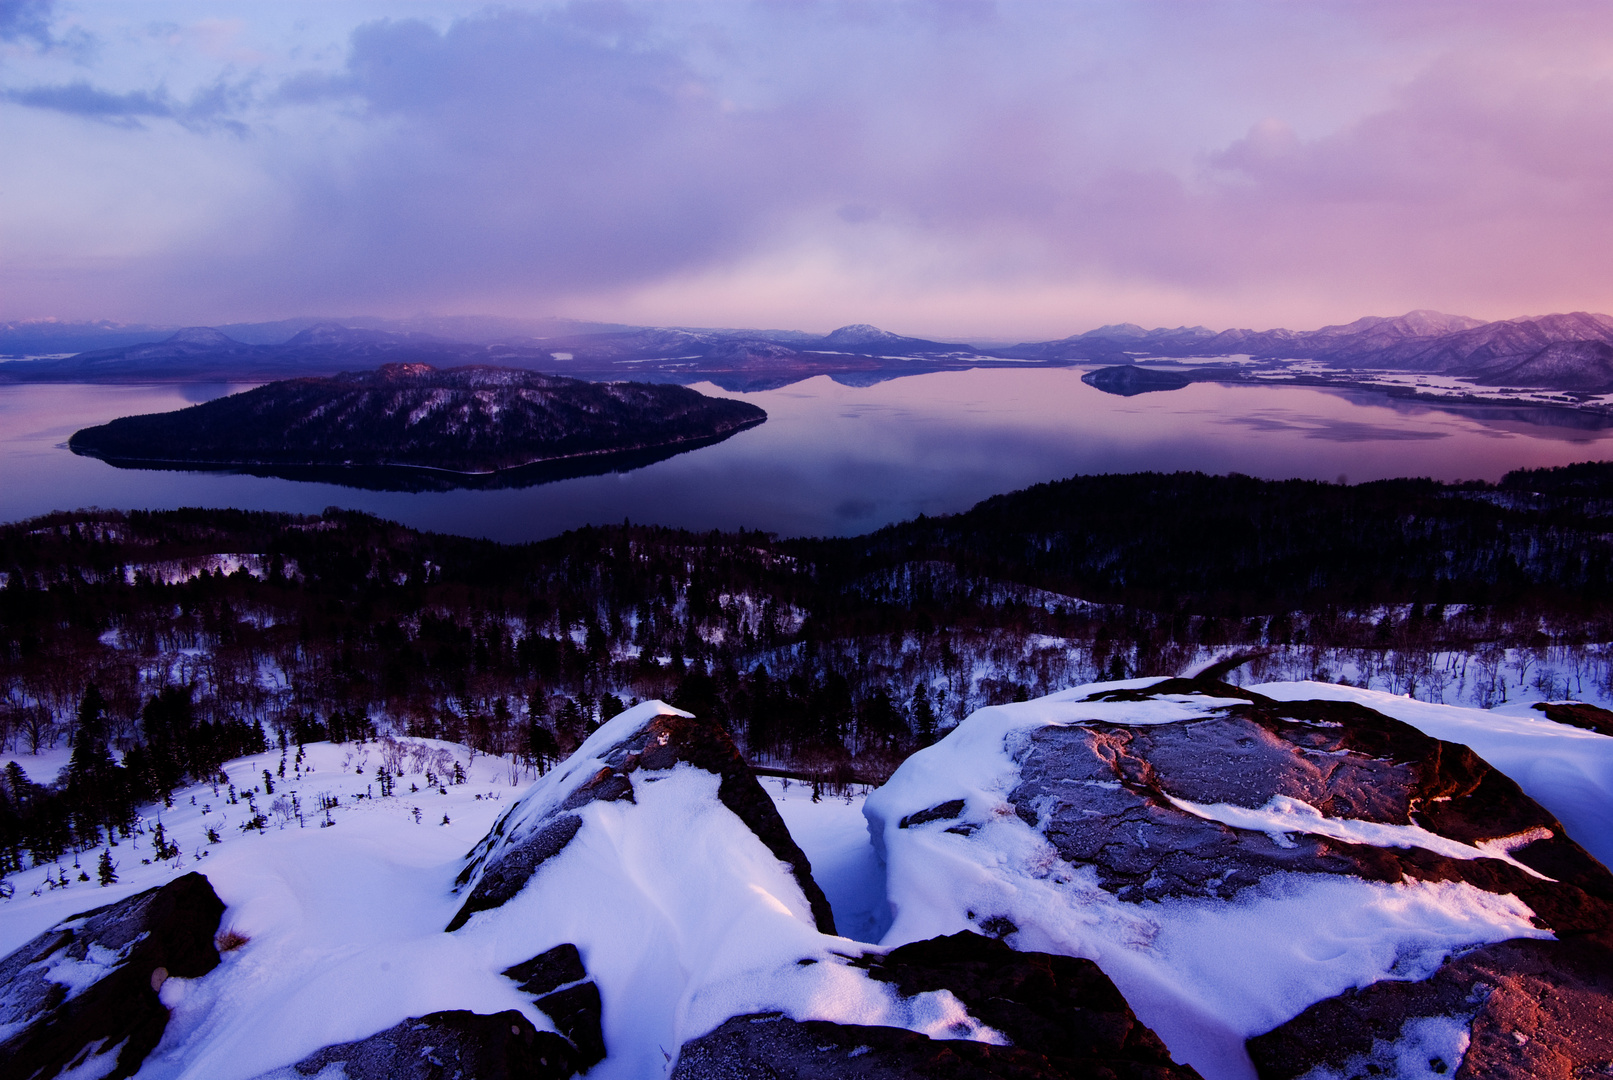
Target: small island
{"x": 468, "y": 420}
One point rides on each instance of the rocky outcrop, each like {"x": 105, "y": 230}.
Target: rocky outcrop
{"x": 88, "y": 988}
{"x": 1194, "y": 803}
{"x": 1055, "y": 1017}
{"x": 531, "y": 833}
{"x": 1534, "y": 1008}
{"x": 1146, "y": 815}
{"x": 1577, "y": 714}
{"x": 504, "y": 1046}
{"x": 559, "y": 982}
{"x": 1517, "y": 1010}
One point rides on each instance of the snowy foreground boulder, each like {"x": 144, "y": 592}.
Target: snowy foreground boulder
{"x": 541, "y": 825}
{"x": 82, "y": 998}
{"x": 1054, "y": 1016}
{"x": 656, "y": 865}
{"x": 457, "y": 1043}
{"x": 1347, "y": 893}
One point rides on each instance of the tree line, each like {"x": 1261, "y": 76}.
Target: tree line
{"x": 159, "y": 644}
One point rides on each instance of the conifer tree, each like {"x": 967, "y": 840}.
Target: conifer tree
{"x": 108, "y": 870}
{"x": 923, "y": 716}
{"x": 95, "y": 786}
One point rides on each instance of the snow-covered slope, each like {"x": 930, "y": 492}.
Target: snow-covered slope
{"x": 676, "y": 895}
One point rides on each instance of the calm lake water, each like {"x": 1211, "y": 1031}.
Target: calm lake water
{"x": 840, "y": 460}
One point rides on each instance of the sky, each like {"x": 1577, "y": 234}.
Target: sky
{"x": 948, "y": 168}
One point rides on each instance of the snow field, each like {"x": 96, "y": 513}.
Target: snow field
{"x": 684, "y": 918}
{"x": 834, "y": 834}
{"x": 344, "y": 923}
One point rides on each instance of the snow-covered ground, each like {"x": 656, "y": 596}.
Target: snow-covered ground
{"x": 834, "y": 834}
{"x": 289, "y": 887}
{"x": 344, "y": 923}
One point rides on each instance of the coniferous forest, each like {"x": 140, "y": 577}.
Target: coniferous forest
{"x": 157, "y": 645}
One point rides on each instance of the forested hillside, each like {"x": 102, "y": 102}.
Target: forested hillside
{"x": 207, "y": 633}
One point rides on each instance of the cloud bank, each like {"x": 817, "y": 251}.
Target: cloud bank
{"x": 941, "y": 168}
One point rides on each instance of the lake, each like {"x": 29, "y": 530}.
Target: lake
{"x": 842, "y": 460}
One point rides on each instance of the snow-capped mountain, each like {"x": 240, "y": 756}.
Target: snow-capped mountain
{"x": 1564, "y": 352}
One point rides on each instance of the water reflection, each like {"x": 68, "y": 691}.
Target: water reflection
{"x": 403, "y": 478}
{"x": 838, "y": 459}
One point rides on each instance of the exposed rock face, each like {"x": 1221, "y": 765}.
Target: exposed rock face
{"x": 1350, "y": 763}
{"x": 1519, "y": 1010}
{"x": 507, "y": 858}
{"x": 1577, "y": 714}
{"x": 558, "y": 980}
{"x": 1344, "y": 760}
{"x": 87, "y": 987}
{"x": 1182, "y": 796}
{"x": 504, "y": 1046}
{"x": 1060, "y": 1016}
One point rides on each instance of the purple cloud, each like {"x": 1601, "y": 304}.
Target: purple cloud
{"x": 944, "y": 168}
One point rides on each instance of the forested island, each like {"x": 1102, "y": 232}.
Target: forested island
{"x": 472, "y": 420}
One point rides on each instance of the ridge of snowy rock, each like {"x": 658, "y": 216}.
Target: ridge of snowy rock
{"x": 655, "y": 854}
{"x": 1231, "y": 860}
{"x": 651, "y": 737}
{"x": 1293, "y": 880}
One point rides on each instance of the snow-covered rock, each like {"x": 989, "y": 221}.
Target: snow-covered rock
{"x": 1231, "y": 860}
{"x": 649, "y": 738}
{"x": 1043, "y": 1016}
{"x": 460, "y": 1044}
{"x": 82, "y": 998}
{"x": 655, "y": 854}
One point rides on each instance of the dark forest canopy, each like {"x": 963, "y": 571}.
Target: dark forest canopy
{"x": 468, "y": 419}
{"x": 207, "y": 633}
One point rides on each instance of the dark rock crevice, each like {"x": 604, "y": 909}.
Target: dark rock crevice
{"x": 558, "y": 980}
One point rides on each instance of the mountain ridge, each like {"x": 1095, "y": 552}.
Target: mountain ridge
{"x": 1559, "y": 351}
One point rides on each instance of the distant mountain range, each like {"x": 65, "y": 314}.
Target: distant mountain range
{"x": 1572, "y": 353}
{"x": 464, "y": 420}
{"x": 1564, "y": 352}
